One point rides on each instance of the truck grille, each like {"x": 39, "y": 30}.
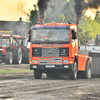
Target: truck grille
{"x": 48, "y": 61}
{"x": 50, "y": 52}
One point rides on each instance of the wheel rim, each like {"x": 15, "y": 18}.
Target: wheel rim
{"x": 20, "y": 57}
{"x": 89, "y": 71}
{"x": 10, "y": 58}
{"x": 75, "y": 71}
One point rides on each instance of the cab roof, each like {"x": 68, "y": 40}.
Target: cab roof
{"x": 53, "y": 26}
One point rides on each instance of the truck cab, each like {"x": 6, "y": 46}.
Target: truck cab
{"x": 54, "y": 50}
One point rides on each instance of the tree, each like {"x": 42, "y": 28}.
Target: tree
{"x": 88, "y": 29}
{"x": 68, "y": 12}
{"x": 97, "y": 17}
{"x": 33, "y": 16}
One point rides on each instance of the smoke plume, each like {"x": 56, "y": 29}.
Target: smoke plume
{"x": 42, "y": 5}
{"x": 12, "y": 10}
{"x": 83, "y": 5}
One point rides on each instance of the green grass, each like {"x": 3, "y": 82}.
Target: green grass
{"x": 14, "y": 71}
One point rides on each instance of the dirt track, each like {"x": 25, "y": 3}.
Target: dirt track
{"x": 23, "y": 86}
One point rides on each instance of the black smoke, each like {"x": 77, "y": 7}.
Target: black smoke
{"x": 42, "y": 5}
{"x": 81, "y": 5}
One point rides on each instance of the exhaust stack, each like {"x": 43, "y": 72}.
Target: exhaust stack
{"x": 41, "y": 18}
{"x": 77, "y": 22}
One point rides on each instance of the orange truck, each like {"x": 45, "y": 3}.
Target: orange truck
{"x": 54, "y": 51}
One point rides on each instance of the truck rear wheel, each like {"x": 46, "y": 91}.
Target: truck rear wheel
{"x": 9, "y": 58}
{"x": 37, "y": 74}
{"x": 73, "y": 73}
{"x": 88, "y": 72}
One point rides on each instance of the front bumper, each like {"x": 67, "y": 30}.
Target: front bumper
{"x": 57, "y": 67}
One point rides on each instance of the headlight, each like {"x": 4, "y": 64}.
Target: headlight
{"x": 34, "y": 61}
{"x": 66, "y": 61}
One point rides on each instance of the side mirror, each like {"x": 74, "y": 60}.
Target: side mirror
{"x": 74, "y": 35}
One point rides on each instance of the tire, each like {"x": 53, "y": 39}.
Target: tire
{"x": 17, "y": 56}
{"x": 14, "y": 56}
{"x": 9, "y": 58}
{"x": 73, "y": 73}
{"x": 23, "y": 56}
{"x": 88, "y": 72}
{"x": 37, "y": 74}
{"x": 27, "y": 57}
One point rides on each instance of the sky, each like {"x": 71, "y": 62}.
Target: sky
{"x": 12, "y": 10}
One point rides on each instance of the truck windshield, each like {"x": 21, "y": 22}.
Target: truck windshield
{"x": 5, "y": 42}
{"x": 51, "y": 36}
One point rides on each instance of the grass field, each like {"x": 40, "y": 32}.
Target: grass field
{"x": 14, "y": 71}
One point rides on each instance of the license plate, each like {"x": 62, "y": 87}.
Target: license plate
{"x": 50, "y": 66}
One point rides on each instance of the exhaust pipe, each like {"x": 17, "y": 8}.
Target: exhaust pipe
{"x": 41, "y": 18}
{"x": 77, "y": 22}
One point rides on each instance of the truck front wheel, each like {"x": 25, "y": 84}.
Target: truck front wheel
{"x": 73, "y": 73}
{"x": 37, "y": 74}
